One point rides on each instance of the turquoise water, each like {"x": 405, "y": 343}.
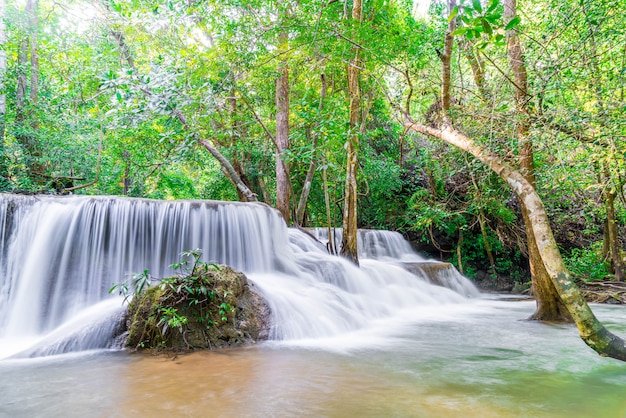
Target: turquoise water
{"x": 474, "y": 360}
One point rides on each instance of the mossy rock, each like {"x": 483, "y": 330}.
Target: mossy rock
{"x": 216, "y": 307}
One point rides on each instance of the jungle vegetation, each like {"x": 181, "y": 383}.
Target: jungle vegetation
{"x": 339, "y": 113}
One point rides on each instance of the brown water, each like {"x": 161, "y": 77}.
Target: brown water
{"x": 476, "y": 362}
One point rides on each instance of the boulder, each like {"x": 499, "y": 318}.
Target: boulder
{"x": 212, "y": 307}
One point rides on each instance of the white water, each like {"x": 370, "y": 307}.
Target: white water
{"x": 60, "y": 255}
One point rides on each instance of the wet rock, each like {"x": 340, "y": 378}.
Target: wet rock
{"x": 217, "y": 307}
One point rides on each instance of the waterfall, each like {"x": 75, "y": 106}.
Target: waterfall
{"x": 60, "y": 255}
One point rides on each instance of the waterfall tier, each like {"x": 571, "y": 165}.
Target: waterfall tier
{"x": 60, "y": 255}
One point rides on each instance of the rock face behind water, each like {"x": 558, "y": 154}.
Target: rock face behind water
{"x": 153, "y": 324}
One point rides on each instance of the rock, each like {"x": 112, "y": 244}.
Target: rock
{"x": 214, "y": 308}
{"x": 486, "y": 281}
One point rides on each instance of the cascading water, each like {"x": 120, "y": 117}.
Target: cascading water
{"x": 60, "y": 255}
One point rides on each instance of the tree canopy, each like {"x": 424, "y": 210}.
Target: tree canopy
{"x": 178, "y": 100}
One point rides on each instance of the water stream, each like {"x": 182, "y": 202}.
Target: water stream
{"x": 478, "y": 360}
{"x": 380, "y": 340}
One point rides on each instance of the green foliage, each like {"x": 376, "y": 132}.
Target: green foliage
{"x": 484, "y": 25}
{"x": 190, "y": 296}
{"x": 102, "y": 116}
{"x": 587, "y": 263}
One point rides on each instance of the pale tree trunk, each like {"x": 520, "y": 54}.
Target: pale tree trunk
{"x": 482, "y": 223}
{"x": 308, "y": 181}
{"x": 22, "y": 72}
{"x": 282, "y": 133}
{"x": 478, "y": 68}
{"x": 229, "y": 170}
{"x": 591, "y": 330}
{"x": 349, "y": 238}
{"x": 3, "y": 97}
{"x": 549, "y": 306}
{"x": 611, "y": 236}
{"x": 22, "y": 117}
{"x": 609, "y": 194}
{"x": 235, "y": 133}
{"x": 446, "y": 60}
{"x": 331, "y": 238}
{"x": 34, "y": 52}
{"x": 3, "y": 72}
{"x": 227, "y": 167}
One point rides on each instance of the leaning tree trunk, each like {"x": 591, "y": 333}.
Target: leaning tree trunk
{"x": 593, "y": 333}
{"x": 549, "y": 306}
{"x": 242, "y": 188}
{"x": 349, "y": 238}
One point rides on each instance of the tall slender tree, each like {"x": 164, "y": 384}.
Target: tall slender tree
{"x": 282, "y": 127}
{"x": 549, "y": 306}
{"x": 3, "y": 97}
{"x": 349, "y": 247}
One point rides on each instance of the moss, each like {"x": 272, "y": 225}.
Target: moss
{"x": 143, "y": 316}
{"x": 213, "y": 308}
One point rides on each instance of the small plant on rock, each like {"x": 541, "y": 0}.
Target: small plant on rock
{"x": 180, "y": 307}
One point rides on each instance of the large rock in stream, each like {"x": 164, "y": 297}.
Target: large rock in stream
{"x": 215, "y": 307}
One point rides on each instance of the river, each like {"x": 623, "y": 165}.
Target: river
{"x": 472, "y": 360}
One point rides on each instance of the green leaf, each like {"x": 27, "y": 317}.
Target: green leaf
{"x": 493, "y": 18}
{"x": 486, "y": 27}
{"x": 460, "y": 31}
{"x": 492, "y": 5}
{"x": 453, "y": 13}
{"x": 512, "y": 23}
{"x": 477, "y": 6}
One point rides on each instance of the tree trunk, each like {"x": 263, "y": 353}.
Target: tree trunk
{"x": 483, "y": 231}
{"x": 246, "y": 195}
{"x": 34, "y": 53}
{"x": 331, "y": 238}
{"x": 308, "y": 181}
{"x": 458, "y": 251}
{"x": 611, "y": 229}
{"x": 3, "y": 98}
{"x": 282, "y": 133}
{"x": 230, "y": 171}
{"x": 234, "y": 136}
{"x": 591, "y": 330}
{"x": 25, "y": 136}
{"x": 616, "y": 256}
{"x": 446, "y": 59}
{"x": 3, "y": 74}
{"x": 478, "y": 69}
{"x": 22, "y": 71}
{"x": 549, "y": 306}
{"x": 265, "y": 195}
{"x": 349, "y": 238}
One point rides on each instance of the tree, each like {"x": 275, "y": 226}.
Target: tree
{"x": 3, "y": 96}
{"x": 591, "y": 330}
{"x": 349, "y": 237}
{"x": 282, "y": 124}
{"x": 549, "y": 306}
